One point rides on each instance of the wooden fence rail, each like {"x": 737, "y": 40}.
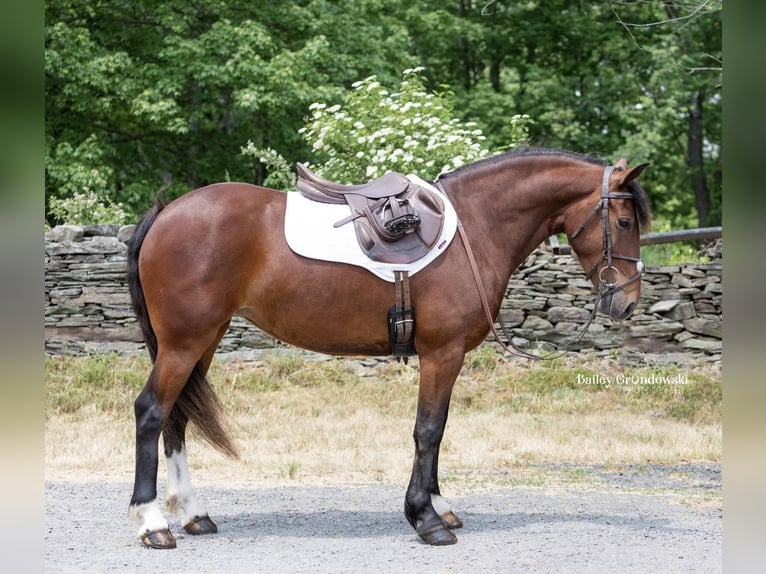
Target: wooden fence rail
{"x": 697, "y": 234}
{"x": 683, "y": 235}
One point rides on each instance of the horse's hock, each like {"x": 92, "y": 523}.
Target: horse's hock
{"x": 548, "y": 299}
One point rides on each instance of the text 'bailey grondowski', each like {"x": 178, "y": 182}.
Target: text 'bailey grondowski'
{"x": 623, "y": 379}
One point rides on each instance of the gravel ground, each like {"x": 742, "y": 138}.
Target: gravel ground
{"x": 630, "y": 519}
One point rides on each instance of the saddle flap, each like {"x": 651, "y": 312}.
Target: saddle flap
{"x": 420, "y": 213}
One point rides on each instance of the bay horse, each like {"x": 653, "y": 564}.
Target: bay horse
{"x": 220, "y": 251}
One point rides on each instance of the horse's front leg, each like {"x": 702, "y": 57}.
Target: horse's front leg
{"x": 424, "y": 507}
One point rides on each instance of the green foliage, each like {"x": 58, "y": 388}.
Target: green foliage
{"x": 672, "y": 253}
{"x": 280, "y": 176}
{"x": 173, "y": 90}
{"x": 609, "y": 79}
{"x": 87, "y": 208}
{"x": 81, "y": 168}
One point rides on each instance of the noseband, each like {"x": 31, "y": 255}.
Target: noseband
{"x": 605, "y": 285}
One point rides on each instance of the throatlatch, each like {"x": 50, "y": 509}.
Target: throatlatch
{"x": 401, "y": 319}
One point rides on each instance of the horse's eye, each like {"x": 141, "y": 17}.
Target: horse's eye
{"x": 623, "y": 222}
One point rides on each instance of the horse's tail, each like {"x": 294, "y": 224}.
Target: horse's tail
{"x": 197, "y": 402}
{"x": 134, "y": 280}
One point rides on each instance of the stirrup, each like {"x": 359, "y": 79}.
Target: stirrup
{"x": 403, "y": 224}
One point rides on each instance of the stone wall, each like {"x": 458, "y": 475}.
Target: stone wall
{"x": 548, "y": 300}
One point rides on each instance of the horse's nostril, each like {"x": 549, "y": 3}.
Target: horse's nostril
{"x": 629, "y": 309}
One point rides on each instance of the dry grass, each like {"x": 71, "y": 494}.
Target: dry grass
{"x": 334, "y": 422}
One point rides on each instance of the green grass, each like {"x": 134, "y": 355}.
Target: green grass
{"x": 320, "y": 420}
{"x": 111, "y": 383}
{"x": 105, "y": 382}
{"x": 553, "y": 386}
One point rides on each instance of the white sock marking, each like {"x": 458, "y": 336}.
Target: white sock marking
{"x": 148, "y": 516}
{"x": 440, "y": 505}
{"x": 181, "y": 499}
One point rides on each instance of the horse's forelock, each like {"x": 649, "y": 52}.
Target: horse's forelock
{"x": 641, "y": 202}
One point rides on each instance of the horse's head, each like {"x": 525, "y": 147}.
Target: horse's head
{"x": 604, "y": 230}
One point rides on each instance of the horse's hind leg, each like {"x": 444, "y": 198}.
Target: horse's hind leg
{"x": 181, "y": 499}
{"x": 152, "y": 407}
{"x": 172, "y": 370}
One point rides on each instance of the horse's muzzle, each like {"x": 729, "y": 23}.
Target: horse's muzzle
{"x": 619, "y": 305}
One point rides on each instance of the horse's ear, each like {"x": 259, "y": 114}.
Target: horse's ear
{"x": 621, "y": 163}
{"x": 633, "y": 174}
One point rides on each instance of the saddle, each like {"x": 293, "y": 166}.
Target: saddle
{"x": 395, "y": 220}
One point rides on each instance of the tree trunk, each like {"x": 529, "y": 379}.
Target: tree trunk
{"x": 695, "y": 160}
{"x": 465, "y": 48}
{"x": 494, "y": 73}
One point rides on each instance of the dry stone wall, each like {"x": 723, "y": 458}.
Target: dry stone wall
{"x": 548, "y": 300}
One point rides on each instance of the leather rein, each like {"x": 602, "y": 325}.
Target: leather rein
{"x": 607, "y": 285}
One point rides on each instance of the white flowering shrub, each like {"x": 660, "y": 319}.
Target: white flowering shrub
{"x": 375, "y": 131}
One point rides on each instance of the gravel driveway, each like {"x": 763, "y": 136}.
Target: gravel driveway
{"x": 646, "y": 519}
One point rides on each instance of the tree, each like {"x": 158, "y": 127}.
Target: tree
{"x": 608, "y": 78}
{"x": 374, "y": 131}
{"x": 143, "y": 94}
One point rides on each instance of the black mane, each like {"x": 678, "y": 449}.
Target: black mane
{"x": 640, "y": 199}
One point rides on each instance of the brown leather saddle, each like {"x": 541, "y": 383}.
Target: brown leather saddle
{"x": 396, "y": 220}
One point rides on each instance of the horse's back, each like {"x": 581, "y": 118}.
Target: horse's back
{"x": 221, "y": 203}
{"x": 213, "y": 216}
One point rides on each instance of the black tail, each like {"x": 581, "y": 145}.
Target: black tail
{"x": 134, "y": 281}
{"x": 197, "y": 403}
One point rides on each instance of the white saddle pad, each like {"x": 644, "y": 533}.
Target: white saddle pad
{"x": 309, "y": 232}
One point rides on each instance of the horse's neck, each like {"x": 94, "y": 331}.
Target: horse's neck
{"x": 509, "y": 213}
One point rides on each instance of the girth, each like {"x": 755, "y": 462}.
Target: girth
{"x": 401, "y": 319}
{"x": 395, "y": 221}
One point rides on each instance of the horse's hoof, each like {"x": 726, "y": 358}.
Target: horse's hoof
{"x": 161, "y": 538}
{"x": 438, "y": 535}
{"x": 201, "y": 525}
{"x": 451, "y": 521}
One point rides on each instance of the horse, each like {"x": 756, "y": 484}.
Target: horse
{"x": 220, "y": 251}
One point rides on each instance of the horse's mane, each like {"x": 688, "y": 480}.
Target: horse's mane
{"x": 640, "y": 198}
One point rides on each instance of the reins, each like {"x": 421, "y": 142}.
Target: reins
{"x": 605, "y": 286}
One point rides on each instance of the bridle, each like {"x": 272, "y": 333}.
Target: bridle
{"x": 606, "y": 253}
{"x": 605, "y": 287}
